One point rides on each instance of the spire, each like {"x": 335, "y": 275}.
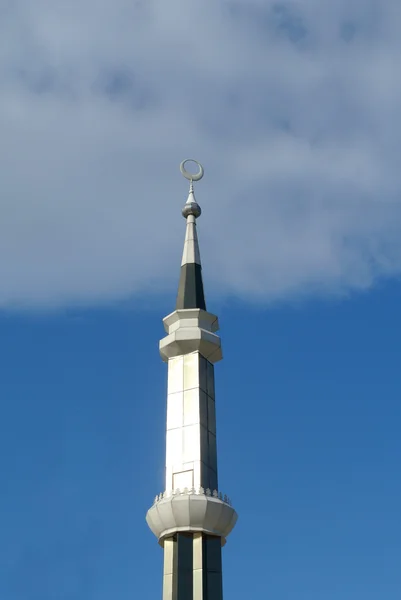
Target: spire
{"x": 190, "y": 288}
{"x": 191, "y": 518}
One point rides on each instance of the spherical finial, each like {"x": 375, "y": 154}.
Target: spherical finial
{"x": 191, "y": 208}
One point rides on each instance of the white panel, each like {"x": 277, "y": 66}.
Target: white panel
{"x": 191, "y": 406}
{"x": 169, "y": 556}
{"x": 174, "y": 446}
{"x": 191, "y": 370}
{"x": 170, "y": 548}
{"x": 169, "y": 477}
{"x": 168, "y": 581}
{"x": 197, "y": 567}
{"x": 198, "y": 585}
{"x": 191, "y": 450}
{"x": 175, "y": 382}
{"x": 185, "y": 466}
{"x": 175, "y": 410}
{"x": 197, "y": 555}
{"x": 183, "y": 480}
{"x": 197, "y": 474}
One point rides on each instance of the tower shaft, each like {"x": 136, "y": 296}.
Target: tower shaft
{"x": 191, "y": 454}
{"x": 192, "y": 561}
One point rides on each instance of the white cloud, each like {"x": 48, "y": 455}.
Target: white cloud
{"x": 293, "y": 107}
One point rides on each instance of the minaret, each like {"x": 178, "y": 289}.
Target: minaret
{"x": 191, "y": 518}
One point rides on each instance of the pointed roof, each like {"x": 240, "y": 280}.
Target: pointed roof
{"x": 190, "y": 288}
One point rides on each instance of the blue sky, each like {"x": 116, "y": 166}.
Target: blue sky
{"x": 309, "y": 450}
{"x": 294, "y": 109}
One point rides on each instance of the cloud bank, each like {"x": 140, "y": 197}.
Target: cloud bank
{"x": 294, "y": 108}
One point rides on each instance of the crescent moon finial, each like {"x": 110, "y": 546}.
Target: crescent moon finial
{"x": 192, "y": 176}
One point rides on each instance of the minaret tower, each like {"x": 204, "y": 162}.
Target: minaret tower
{"x": 191, "y": 518}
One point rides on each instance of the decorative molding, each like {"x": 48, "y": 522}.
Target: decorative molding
{"x": 199, "y": 491}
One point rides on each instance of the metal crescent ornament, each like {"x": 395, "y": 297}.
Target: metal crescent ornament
{"x": 190, "y": 176}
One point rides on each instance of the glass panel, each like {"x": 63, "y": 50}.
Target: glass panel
{"x": 204, "y": 445}
{"x": 203, "y": 373}
{"x": 185, "y": 585}
{"x": 205, "y": 478}
{"x": 212, "y": 451}
{"x": 203, "y": 408}
{"x": 213, "y": 484}
{"x": 185, "y": 566}
{"x": 214, "y": 586}
{"x": 211, "y": 417}
{"x": 210, "y": 380}
{"x": 212, "y": 568}
{"x": 212, "y": 550}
